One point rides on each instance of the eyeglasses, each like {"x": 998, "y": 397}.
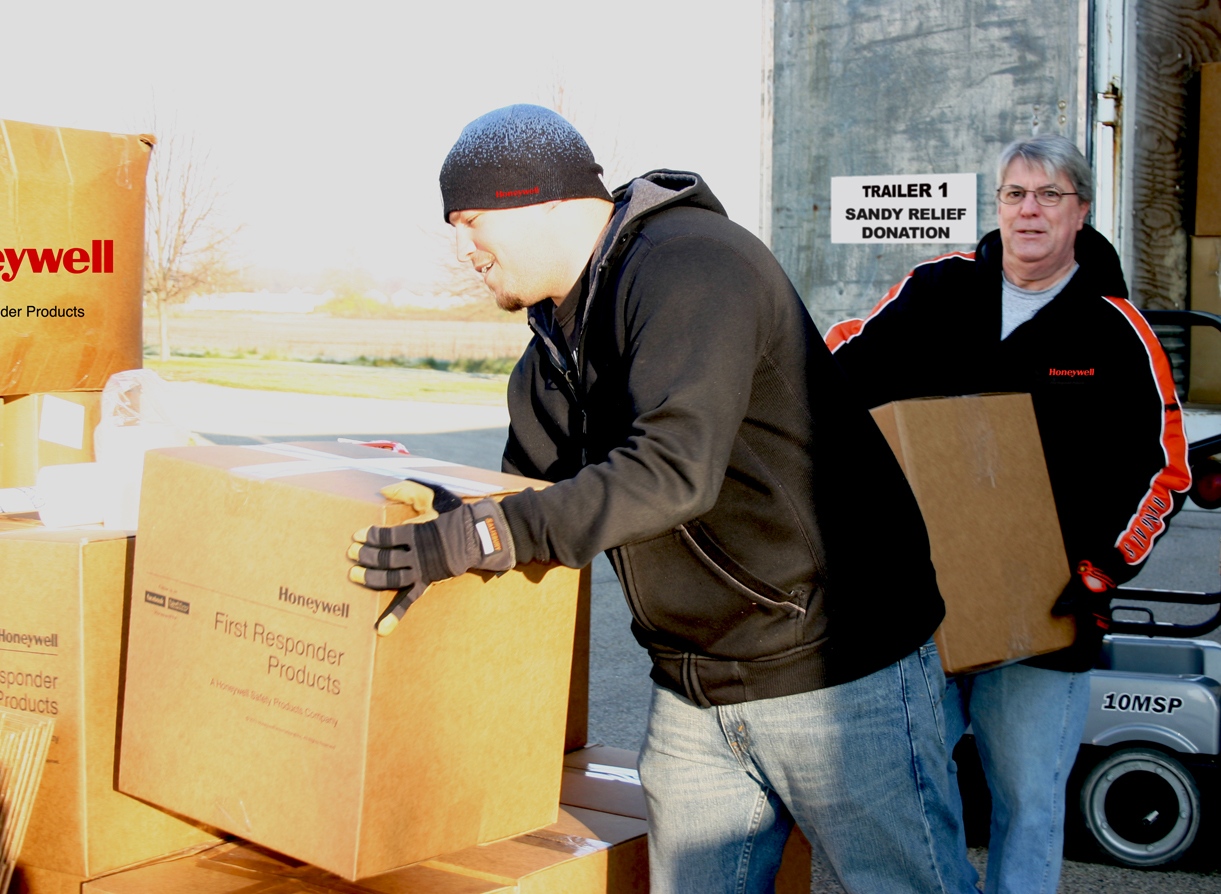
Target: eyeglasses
{"x": 1047, "y": 196}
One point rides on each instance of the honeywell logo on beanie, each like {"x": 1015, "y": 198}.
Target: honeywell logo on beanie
{"x": 507, "y": 194}
{"x": 527, "y": 147}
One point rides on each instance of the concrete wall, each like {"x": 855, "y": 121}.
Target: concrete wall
{"x": 868, "y": 87}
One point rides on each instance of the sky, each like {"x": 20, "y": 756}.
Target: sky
{"x": 328, "y": 124}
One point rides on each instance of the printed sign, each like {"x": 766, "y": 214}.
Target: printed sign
{"x": 904, "y": 208}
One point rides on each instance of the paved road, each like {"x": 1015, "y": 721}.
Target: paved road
{"x": 1187, "y": 558}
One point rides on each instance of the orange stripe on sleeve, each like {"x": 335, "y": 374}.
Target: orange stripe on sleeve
{"x": 1149, "y": 521}
{"x": 846, "y": 330}
{"x": 842, "y": 332}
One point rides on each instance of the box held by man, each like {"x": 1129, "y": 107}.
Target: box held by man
{"x": 261, "y": 700}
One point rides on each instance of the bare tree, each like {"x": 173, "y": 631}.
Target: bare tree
{"x": 616, "y": 168}
{"x": 186, "y": 251}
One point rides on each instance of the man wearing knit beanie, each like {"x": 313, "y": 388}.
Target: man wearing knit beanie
{"x": 529, "y": 159}
{"x": 699, "y": 432}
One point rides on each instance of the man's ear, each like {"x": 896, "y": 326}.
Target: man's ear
{"x": 1085, "y": 213}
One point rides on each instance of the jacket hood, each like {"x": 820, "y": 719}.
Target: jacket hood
{"x": 1094, "y": 253}
{"x": 645, "y": 196}
{"x": 635, "y": 202}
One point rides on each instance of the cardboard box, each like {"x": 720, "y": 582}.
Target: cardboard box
{"x": 240, "y": 868}
{"x": 576, "y": 727}
{"x": 39, "y": 430}
{"x": 1204, "y": 371}
{"x": 72, "y": 248}
{"x": 603, "y": 779}
{"x": 33, "y": 880}
{"x": 584, "y": 852}
{"x": 1208, "y": 159}
{"x": 21, "y": 521}
{"x": 362, "y": 754}
{"x": 61, "y": 641}
{"x": 976, "y": 467}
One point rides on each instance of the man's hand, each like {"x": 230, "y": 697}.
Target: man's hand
{"x": 409, "y": 557}
{"x": 1089, "y": 590}
{"x": 1088, "y": 599}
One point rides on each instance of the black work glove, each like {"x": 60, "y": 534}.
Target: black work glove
{"x": 411, "y": 556}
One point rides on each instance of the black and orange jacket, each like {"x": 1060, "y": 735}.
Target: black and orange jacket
{"x": 700, "y": 432}
{"x": 1109, "y": 420}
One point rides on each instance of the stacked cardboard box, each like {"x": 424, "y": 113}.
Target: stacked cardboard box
{"x": 584, "y": 852}
{"x": 61, "y": 622}
{"x": 39, "y": 430}
{"x": 24, "y": 740}
{"x": 977, "y": 469}
{"x": 239, "y": 868}
{"x": 1208, "y": 158}
{"x": 71, "y": 256}
{"x": 1204, "y": 375}
{"x": 260, "y": 700}
{"x": 598, "y": 848}
{"x": 1204, "y": 286}
{"x": 71, "y": 274}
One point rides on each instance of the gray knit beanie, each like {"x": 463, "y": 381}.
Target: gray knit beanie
{"x": 515, "y": 156}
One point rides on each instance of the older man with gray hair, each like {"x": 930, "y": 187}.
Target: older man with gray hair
{"x": 1039, "y": 297}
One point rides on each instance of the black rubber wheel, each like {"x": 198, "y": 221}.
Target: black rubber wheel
{"x": 1141, "y": 806}
{"x": 1206, "y": 484}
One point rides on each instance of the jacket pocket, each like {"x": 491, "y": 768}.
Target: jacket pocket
{"x": 685, "y": 588}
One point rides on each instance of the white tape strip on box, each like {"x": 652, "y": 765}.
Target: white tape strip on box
{"x": 309, "y": 462}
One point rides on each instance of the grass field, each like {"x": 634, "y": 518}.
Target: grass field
{"x": 336, "y": 379}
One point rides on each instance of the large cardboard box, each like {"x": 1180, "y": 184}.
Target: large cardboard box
{"x": 1208, "y": 159}
{"x": 1204, "y": 371}
{"x": 604, "y": 779}
{"x": 241, "y": 868}
{"x": 39, "y": 430}
{"x": 260, "y": 699}
{"x": 576, "y": 726}
{"x": 35, "y": 880}
{"x": 71, "y": 256}
{"x": 62, "y": 601}
{"x": 584, "y": 852}
{"x": 976, "y": 467}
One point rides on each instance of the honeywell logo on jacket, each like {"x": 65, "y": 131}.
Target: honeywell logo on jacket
{"x": 1070, "y": 372}
{"x": 98, "y": 259}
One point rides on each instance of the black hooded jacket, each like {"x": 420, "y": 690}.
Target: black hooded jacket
{"x": 1103, "y": 392}
{"x": 700, "y": 432}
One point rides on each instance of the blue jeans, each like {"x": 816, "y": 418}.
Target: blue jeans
{"x": 1028, "y": 723}
{"x": 861, "y": 766}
